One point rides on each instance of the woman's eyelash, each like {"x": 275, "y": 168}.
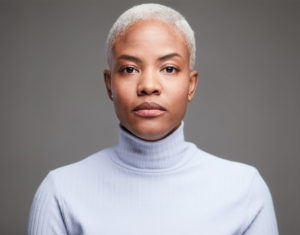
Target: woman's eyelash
{"x": 170, "y": 69}
{"x": 131, "y": 69}
{"x": 128, "y": 69}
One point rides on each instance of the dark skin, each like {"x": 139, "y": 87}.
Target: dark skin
{"x": 150, "y": 64}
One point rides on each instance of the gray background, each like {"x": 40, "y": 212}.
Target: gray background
{"x": 54, "y": 109}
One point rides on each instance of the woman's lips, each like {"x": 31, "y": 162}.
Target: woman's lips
{"x": 149, "y": 109}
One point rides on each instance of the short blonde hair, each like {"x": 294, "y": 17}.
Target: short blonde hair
{"x": 151, "y": 11}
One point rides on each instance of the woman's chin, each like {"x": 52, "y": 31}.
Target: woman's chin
{"x": 151, "y": 132}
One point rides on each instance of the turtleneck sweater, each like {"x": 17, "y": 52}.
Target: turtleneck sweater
{"x": 140, "y": 187}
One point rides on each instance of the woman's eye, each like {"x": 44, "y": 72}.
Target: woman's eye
{"x": 170, "y": 69}
{"x": 128, "y": 70}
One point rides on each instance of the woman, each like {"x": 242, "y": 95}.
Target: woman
{"x": 152, "y": 181}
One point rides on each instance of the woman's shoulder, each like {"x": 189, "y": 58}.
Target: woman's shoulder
{"x": 232, "y": 177}
{"x": 228, "y": 174}
{"x": 221, "y": 165}
{"x": 84, "y": 169}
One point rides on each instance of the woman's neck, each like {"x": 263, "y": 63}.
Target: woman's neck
{"x": 164, "y": 154}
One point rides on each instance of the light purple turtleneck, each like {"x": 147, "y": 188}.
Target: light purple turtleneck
{"x": 165, "y": 187}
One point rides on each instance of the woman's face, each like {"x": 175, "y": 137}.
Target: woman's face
{"x": 150, "y": 81}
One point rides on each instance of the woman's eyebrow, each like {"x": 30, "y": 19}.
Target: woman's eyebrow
{"x": 137, "y": 60}
{"x": 168, "y": 56}
{"x": 129, "y": 57}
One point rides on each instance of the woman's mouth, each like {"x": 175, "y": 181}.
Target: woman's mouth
{"x": 149, "y": 109}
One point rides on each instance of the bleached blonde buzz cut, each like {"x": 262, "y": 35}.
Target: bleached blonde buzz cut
{"x": 151, "y": 11}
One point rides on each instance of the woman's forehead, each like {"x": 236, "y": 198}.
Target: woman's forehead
{"x": 151, "y": 38}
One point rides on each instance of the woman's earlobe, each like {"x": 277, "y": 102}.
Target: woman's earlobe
{"x": 193, "y": 84}
{"x": 107, "y": 80}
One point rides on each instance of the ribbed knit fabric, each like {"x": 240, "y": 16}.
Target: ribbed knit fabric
{"x": 167, "y": 187}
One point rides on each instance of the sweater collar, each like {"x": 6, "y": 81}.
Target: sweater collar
{"x": 167, "y": 153}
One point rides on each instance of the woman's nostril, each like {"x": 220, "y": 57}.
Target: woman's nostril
{"x": 149, "y": 92}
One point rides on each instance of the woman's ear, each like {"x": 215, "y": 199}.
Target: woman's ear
{"x": 107, "y": 80}
{"x": 193, "y": 85}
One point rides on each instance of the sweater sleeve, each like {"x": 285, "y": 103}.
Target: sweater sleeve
{"x": 46, "y": 215}
{"x": 261, "y": 213}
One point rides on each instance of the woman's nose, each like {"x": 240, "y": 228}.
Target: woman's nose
{"x": 149, "y": 84}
